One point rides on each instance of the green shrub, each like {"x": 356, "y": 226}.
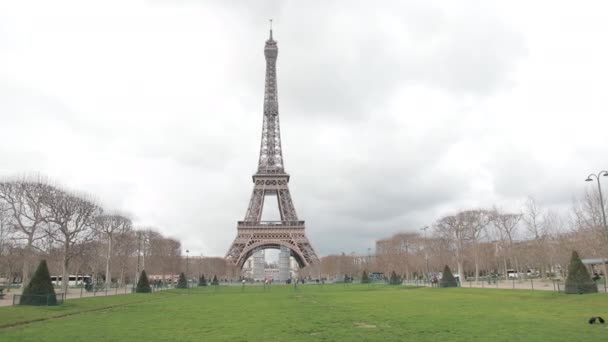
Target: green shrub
{"x": 364, "y": 278}
{"x": 448, "y": 280}
{"x": 202, "y": 281}
{"x": 215, "y": 281}
{"x": 394, "y": 279}
{"x": 579, "y": 281}
{"x": 40, "y": 290}
{"x": 182, "y": 283}
{"x": 143, "y": 285}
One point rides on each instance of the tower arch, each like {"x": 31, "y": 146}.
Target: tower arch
{"x": 271, "y": 179}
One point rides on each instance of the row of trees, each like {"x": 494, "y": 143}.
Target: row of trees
{"x": 485, "y": 241}
{"x": 76, "y": 235}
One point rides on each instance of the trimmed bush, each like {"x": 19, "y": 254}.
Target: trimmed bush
{"x": 215, "y": 281}
{"x": 364, "y": 278}
{"x": 143, "y": 285}
{"x": 579, "y": 281}
{"x": 448, "y": 280}
{"x": 40, "y": 290}
{"x": 202, "y": 281}
{"x": 182, "y": 283}
{"x": 394, "y": 279}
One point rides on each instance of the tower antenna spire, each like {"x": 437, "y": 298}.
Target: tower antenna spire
{"x": 270, "y": 29}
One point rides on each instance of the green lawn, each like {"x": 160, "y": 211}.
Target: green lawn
{"x": 324, "y": 313}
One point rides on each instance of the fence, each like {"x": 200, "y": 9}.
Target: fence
{"x": 39, "y": 300}
{"x": 557, "y": 285}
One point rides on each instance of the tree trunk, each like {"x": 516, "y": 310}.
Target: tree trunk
{"x": 122, "y": 275}
{"x": 460, "y": 271}
{"x": 459, "y": 261}
{"x": 27, "y": 258}
{"x": 108, "y": 275}
{"x": 476, "y": 256}
{"x": 65, "y": 280}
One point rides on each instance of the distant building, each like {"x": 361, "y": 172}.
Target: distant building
{"x": 167, "y": 277}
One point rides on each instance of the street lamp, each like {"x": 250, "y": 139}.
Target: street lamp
{"x": 599, "y": 189}
{"x": 426, "y": 255}
{"x": 187, "y": 277}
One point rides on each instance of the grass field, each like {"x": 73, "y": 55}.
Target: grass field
{"x": 315, "y": 313}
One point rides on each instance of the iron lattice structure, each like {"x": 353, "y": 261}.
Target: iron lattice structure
{"x": 271, "y": 180}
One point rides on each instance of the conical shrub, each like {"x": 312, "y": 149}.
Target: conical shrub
{"x": 394, "y": 279}
{"x": 182, "y": 283}
{"x": 579, "y": 281}
{"x": 364, "y": 278}
{"x": 448, "y": 280}
{"x": 143, "y": 285}
{"x": 40, "y": 290}
{"x": 215, "y": 281}
{"x": 202, "y": 281}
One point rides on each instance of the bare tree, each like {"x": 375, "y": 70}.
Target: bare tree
{"x": 72, "y": 219}
{"x": 125, "y": 247}
{"x": 534, "y": 218}
{"x": 506, "y": 224}
{"x": 454, "y": 229}
{"x": 109, "y": 226}
{"x": 146, "y": 236}
{"x": 24, "y": 200}
{"x": 6, "y": 241}
{"x": 169, "y": 253}
{"x": 476, "y": 222}
{"x": 588, "y": 211}
{"x": 403, "y": 253}
{"x": 12, "y": 261}
{"x": 5, "y": 220}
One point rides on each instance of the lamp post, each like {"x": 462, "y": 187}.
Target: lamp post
{"x": 187, "y": 277}
{"x": 599, "y": 189}
{"x": 426, "y": 255}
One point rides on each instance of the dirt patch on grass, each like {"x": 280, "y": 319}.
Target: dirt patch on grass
{"x": 364, "y": 325}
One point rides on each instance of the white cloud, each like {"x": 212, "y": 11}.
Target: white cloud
{"x": 391, "y": 115}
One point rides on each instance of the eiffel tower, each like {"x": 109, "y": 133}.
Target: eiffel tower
{"x": 288, "y": 234}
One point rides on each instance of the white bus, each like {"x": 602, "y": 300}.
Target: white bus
{"x": 74, "y": 280}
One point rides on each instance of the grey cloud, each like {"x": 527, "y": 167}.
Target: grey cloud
{"x": 330, "y": 66}
{"x": 391, "y": 114}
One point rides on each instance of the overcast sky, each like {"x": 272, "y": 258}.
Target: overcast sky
{"x": 391, "y": 115}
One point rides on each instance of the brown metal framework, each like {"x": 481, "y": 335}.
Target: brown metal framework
{"x": 271, "y": 180}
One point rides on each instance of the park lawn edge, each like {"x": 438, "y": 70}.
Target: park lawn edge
{"x": 75, "y": 311}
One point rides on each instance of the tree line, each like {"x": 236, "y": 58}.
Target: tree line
{"x": 39, "y": 220}
{"x": 478, "y": 242}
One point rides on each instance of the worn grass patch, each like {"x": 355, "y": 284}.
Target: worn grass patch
{"x": 316, "y": 313}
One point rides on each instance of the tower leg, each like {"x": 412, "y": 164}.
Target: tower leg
{"x": 258, "y": 265}
{"x": 284, "y": 264}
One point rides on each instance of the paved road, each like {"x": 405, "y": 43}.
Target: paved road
{"x": 72, "y": 293}
{"x": 530, "y": 284}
